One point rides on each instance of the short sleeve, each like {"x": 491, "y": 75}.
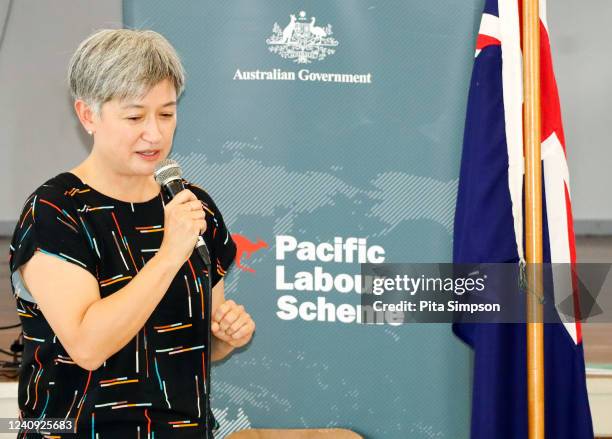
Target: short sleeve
{"x": 217, "y": 237}
{"x": 51, "y": 224}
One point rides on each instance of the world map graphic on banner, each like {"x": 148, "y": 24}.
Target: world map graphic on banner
{"x": 392, "y": 197}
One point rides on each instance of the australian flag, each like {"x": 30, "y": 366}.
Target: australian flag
{"x": 489, "y": 228}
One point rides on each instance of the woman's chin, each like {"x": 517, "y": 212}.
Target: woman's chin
{"x": 141, "y": 169}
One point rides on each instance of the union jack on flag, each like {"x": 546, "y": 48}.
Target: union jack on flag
{"x": 489, "y": 225}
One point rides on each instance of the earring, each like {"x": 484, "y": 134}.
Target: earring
{"x": 89, "y": 132}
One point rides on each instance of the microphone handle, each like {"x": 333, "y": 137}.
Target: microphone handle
{"x": 203, "y": 252}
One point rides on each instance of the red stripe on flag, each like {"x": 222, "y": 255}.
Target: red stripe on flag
{"x": 551, "y": 106}
{"x": 485, "y": 40}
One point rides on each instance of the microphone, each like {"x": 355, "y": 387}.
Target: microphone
{"x": 168, "y": 175}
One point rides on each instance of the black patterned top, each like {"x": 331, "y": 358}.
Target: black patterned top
{"x": 154, "y": 386}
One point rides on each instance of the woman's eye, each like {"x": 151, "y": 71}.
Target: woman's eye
{"x": 168, "y": 114}
{"x": 134, "y": 118}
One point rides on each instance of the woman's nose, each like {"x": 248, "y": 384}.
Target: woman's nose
{"x": 152, "y": 133}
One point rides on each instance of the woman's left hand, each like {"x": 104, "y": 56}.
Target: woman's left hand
{"x": 232, "y": 324}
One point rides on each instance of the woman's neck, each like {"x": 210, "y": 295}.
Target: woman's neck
{"x": 129, "y": 188}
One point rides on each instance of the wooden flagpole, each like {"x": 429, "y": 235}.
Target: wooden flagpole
{"x": 533, "y": 217}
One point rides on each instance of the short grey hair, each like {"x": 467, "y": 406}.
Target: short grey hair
{"x": 122, "y": 63}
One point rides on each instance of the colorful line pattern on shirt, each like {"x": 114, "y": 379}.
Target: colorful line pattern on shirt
{"x": 156, "y": 383}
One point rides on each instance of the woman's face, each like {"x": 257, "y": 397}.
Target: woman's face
{"x": 133, "y": 135}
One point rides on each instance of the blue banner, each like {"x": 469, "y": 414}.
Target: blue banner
{"x": 329, "y": 134}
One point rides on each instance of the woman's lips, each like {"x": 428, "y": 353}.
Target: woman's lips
{"x": 149, "y": 155}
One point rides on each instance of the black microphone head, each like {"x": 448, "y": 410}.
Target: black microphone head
{"x": 166, "y": 171}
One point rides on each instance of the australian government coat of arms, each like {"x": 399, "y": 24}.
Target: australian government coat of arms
{"x": 302, "y": 40}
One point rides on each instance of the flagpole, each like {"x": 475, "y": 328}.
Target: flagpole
{"x": 533, "y": 217}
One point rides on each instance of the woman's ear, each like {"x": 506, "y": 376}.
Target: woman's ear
{"x": 85, "y": 115}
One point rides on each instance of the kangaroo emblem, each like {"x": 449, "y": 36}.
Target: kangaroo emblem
{"x": 288, "y": 31}
{"x": 246, "y": 247}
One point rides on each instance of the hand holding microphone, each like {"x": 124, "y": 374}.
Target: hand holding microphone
{"x": 184, "y": 216}
{"x": 184, "y": 222}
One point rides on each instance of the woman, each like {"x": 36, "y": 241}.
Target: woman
{"x": 111, "y": 301}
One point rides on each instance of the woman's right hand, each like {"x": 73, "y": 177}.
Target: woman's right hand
{"x": 184, "y": 221}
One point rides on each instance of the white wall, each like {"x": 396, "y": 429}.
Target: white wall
{"x": 9, "y": 407}
{"x": 580, "y": 39}
{"x": 39, "y": 135}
